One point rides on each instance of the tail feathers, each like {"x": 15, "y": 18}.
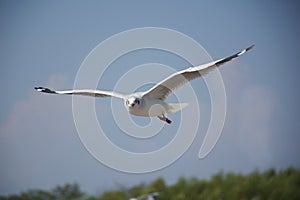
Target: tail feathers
{"x": 175, "y": 107}
{"x": 46, "y": 90}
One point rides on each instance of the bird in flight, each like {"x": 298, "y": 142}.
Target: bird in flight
{"x": 150, "y": 196}
{"x": 152, "y": 102}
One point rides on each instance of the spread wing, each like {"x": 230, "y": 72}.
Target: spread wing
{"x": 92, "y": 93}
{"x": 166, "y": 87}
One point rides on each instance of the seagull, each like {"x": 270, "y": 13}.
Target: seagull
{"x": 151, "y": 103}
{"x": 150, "y": 196}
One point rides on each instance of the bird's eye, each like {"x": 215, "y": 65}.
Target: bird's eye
{"x": 127, "y": 102}
{"x": 137, "y": 101}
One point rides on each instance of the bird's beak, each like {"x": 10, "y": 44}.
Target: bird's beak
{"x": 132, "y": 105}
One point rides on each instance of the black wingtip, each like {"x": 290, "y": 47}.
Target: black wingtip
{"x": 43, "y": 89}
{"x": 224, "y": 60}
{"x": 249, "y": 48}
{"x": 244, "y": 51}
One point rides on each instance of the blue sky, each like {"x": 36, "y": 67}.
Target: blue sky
{"x": 45, "y": 42}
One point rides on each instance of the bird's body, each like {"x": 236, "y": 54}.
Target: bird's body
{"x": 152, "y": 102}
{"x": 147, "y": 107}
{"x": 150, "y": 196}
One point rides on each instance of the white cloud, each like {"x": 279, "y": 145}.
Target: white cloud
{"x": 255, "y": 111}
{"x": 37, "y": 130}
{"x": 40, "y": 148}
{"x": 249, "y": 115}
{"x": 39, "y": 144}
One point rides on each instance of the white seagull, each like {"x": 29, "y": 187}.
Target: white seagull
{"x": 152, "y": 102}
{"x": 150, "y": 196}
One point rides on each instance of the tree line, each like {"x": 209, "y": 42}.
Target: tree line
{"x": 269, "y": 184}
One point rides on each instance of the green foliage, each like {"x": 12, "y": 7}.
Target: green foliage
{"x": 270, "y": 184}
{"x": 66, "y": 192}
{"x": 115, "y": 195}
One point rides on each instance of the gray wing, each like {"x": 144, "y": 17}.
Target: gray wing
{"x": 92, "y": 93}
{"x": 166, "y": 87}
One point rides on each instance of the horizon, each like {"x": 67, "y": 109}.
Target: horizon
{"x": 47, "y": 44}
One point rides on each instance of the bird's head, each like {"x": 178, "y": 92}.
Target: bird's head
{"x": 133, "y": 102}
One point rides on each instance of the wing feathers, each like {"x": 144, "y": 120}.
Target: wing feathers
{"x": 93, "y": 93}
{"x": 166, "y": 87}
{"x": 224, "y": 60}
{"x": 163, "y": 88}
